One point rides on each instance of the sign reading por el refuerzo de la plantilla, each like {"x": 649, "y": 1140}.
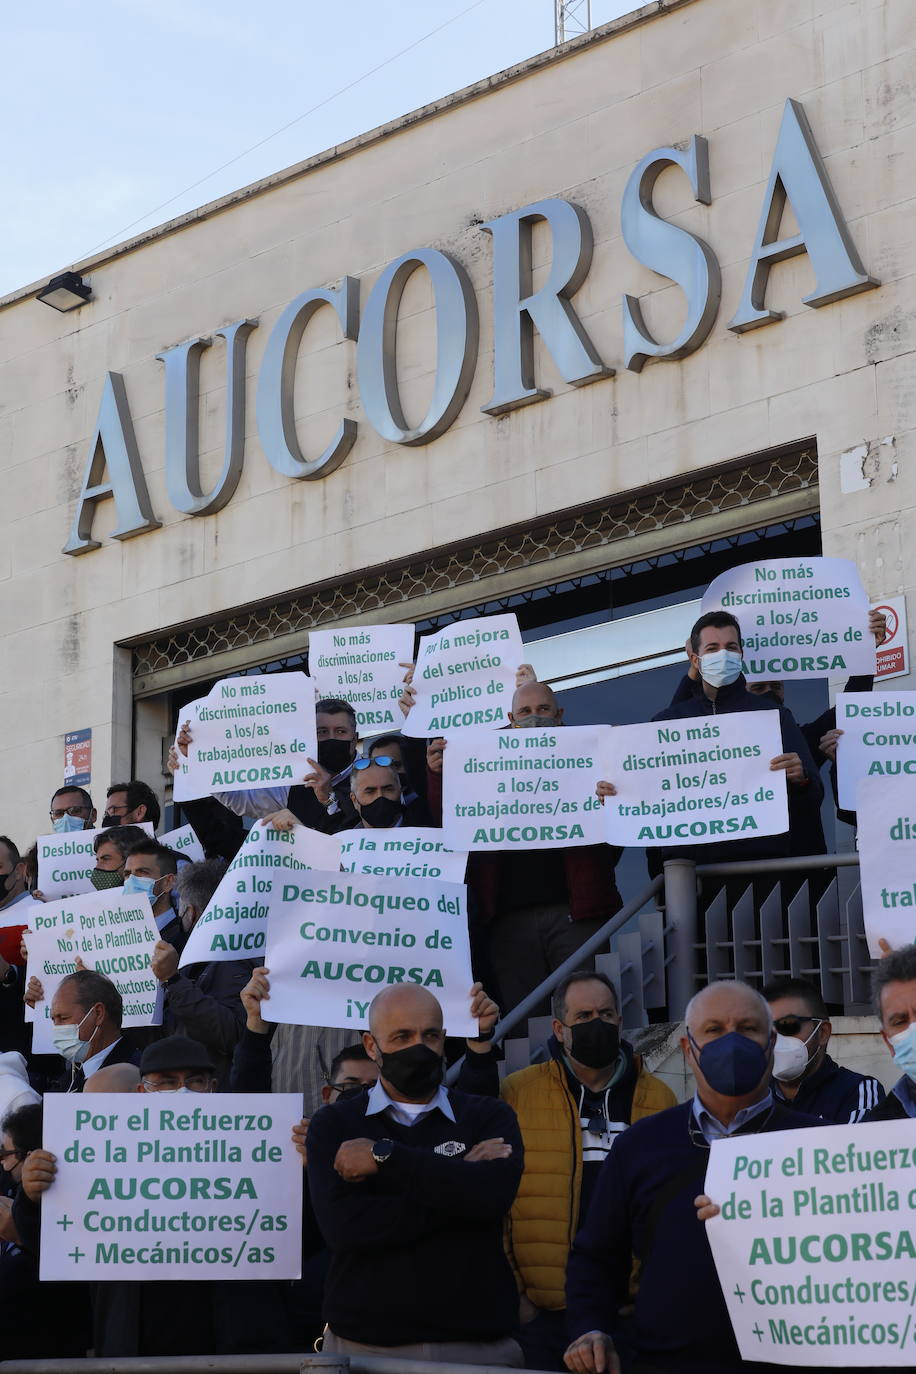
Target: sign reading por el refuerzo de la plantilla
{"x": 815, "y": 1246}
{"x": 162, "y": 1186}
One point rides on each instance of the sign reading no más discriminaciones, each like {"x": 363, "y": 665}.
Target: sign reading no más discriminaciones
{"x": 249, "y": 732}
{"x": 701, "y": 781}
{"x": 523, "y": 789}
{"x": 361, "y": 664}
{"x": 465, "y": 676}
{"x": 234, "y": 924}
{"x": 886, "y": 809}
{"x": 403, "y": 852}
{"x": 160, "y": 1186}
{"x": 878, "y": 740}
{"x": 815, "y": 1243}
{"x": 111, "y": 933}
{"x": 799, "y": 617}
{"x": 336, "y": 939}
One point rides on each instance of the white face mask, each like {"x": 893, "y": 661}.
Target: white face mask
{"x": 790, "y": 1057}
{"x": 68, "y": 1044}
{"x": 720, "y": 668}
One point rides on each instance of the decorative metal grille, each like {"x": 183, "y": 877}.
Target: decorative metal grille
{"x": 598, "y": 526}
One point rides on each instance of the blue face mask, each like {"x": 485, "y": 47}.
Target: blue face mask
{"x": 720, "y": 668}
{"x": 138, "y": 886}
{"x": 732, "y": 1065}
{"x": 904, "y": 1044}
{"x": 64, "y": 824}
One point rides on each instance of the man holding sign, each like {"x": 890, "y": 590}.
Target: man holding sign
{"x": 411, "y": 1185}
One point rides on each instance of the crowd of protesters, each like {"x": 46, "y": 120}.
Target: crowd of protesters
{"x": 551, "y": 1218}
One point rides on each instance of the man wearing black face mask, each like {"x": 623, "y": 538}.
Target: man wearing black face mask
{"x": 644, "y": 1203}
{"x": 410, "y": 1185}
{"x": 571, "y": 1110}
{"x": 377, "y": 798}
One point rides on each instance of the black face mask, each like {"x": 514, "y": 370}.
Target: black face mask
{"x": 108, "y": 821}
{"x": 382, "y": 813}
{"x": 595, "y": 1043}
{"x": 335, "y": 754}
{"x": 416, "y": 1072}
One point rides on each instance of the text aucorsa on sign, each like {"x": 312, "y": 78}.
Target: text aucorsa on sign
{"x": 797, "y": 175}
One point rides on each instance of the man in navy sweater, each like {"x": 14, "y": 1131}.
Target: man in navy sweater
{"x": 644, "y": 1204}
{"x": 411, "y": 1183}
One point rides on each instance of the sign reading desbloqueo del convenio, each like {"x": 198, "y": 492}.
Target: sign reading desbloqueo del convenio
{"x": 878, "y": 740}
{"x": 161, "y": 1186}
{"x": 336, "y": 939}
{"x": 465, "y": 676}
{"x": 815, "y": 1246}
{"x": 249, "y": 732}
{"x": 362, "y": 664}
{"x": 65, "y": 862}
{"x": 886, "y": 810}
{"x": 523, "y": 789}
{"x": 701, "y": 781}
{"x": 799, "y": 617}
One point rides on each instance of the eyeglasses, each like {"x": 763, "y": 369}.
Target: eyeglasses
{"x": 791, "y": 1025}
{"x": 383, "y": 761}
{"x": 57, "y": 813}
{"x": 196, "y": 1082}
{"x": 120, "y": 809}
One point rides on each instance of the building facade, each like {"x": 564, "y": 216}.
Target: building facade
{"x": 566, "y": 342}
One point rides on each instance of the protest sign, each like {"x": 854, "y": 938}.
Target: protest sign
{"x": 18, "y": 914}
{"x": 523, "y": 789}
{"x": 893, "y": 656}
{"x": 155, "y": 1186}
{"x": 184, "y": 842}
{"x": 799, "y": 617}
{"x": 334, "y": 940}
{"x": 886, "y": 809}
{"x": 361, "y": 664}
{"x": 249, "y": 732}
{"x": 702, "y": 780}
{"x": 109, "y": 932}
{"x": 814, "y": 1246}
{"x": 465, "y": 676}
{"x": 405, "y": 852}
{"x": 878, "y": 740}
{"x": 234, "y": 925}
{"x": 65, "y": 862}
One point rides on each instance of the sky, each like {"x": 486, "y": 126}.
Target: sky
{"x": 119, "y": 113}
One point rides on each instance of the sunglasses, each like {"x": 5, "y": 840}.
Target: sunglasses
{"x": 791, "y": 1025}
{"x": 383, "y": 761}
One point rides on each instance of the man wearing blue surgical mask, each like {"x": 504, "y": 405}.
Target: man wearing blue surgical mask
{"x": 71, "y": 809}
{"x": 894, "y": 992}
{"x": 151, "y": 868}
{"x": 645, "y": 1202}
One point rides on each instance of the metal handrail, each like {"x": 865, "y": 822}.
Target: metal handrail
{"x": 793, "y": 864}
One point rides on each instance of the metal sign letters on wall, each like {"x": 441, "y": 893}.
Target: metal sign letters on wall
{"x": 797, "y": 176}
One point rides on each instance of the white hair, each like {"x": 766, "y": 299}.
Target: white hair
{"x": 728, "y": 983}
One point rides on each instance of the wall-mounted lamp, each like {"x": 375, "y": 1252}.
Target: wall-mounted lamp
{"x": 65, "y": 292}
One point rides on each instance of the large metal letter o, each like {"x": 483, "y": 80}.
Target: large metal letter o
{"x": 456, "y": 347}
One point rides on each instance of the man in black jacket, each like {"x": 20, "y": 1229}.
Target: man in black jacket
{"x": 411, "y": 1184}
{"x": 894, "y": 988}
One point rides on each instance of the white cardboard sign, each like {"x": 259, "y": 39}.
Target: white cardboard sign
{"x": 878, "y": 740}
{"x": 184, "y": 842}
{"x": 65, "y": 862}
{"x": 814, "y": 1246}
{"x": 701, "y": 780}
{"x": 523, "y": 789}
{"x": 336, "y": 939}
{"x": 404, "y": 852}
{"x": 156, "y": 1186}
{"x": 361, "y": 664}
{"x": 249, "y": 732}
{"x": 465, "y": 676}
{"x": 234, "y": 925}
{"x": 799, "y": 617}
{"x": 111, "y": 933}
{"x": 887, "y": 860}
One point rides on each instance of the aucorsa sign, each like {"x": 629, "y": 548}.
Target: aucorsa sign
{"x": 114, "y": 470}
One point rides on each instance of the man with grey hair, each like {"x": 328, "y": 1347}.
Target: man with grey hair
{"x": 894, "y": 990}
{"x": 202, "y": 1001}
{"x": 644, "y": 1202}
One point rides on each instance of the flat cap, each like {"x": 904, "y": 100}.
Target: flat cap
{"x": 175, "y": 1052}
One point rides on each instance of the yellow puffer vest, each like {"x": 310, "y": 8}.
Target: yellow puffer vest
{"x": 545, "y": 1213}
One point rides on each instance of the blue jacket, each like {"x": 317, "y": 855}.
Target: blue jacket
{"x": 837, "y": 1095}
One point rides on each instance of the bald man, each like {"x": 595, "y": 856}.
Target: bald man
{"x": 644, "y": 1202}
{"x": 114, "y": 1078}
{"x": 411, "y": 1185}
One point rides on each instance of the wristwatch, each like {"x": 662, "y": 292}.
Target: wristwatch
{"x": 381, "y": 1150}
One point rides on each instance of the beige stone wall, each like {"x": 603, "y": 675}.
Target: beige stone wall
{"x": 572, "y": 128}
